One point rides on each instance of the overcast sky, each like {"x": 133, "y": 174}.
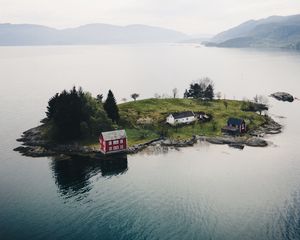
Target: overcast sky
{"x": 189, "y": 16}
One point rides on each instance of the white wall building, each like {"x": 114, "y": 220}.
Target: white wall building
{"x": 181, "y": 118}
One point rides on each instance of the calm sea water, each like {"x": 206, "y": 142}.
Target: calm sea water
{"x": 205, "y": 192}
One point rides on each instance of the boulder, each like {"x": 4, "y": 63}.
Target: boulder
{"x": 237, "y": 145}
{"x": 283, "y": 96}
{"x": 256, "y": 142}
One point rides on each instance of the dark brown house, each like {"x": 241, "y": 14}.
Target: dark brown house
{"x": 235, "y": 126}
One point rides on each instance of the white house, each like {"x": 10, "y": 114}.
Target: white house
{"x": 181, "y": 118}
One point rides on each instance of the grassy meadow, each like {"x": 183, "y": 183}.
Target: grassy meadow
{"x": 158, "y": 109}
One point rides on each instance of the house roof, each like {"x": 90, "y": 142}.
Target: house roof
{"x": 113, "y": 135}
{"x": 186, "y": 114}
{"x": 235, "y": 121}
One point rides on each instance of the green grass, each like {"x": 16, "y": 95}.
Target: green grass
{"x": 159, "y": 109}
{"x": 136, "y": 136}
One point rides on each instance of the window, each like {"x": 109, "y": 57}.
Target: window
{"x": 116, "y": 142}
{"x": 121, "y": 146}
{"x": 121, "y": 141}
{"x": 116, "y": 147}
{"x": 110, "y": 148}
{"x": 110, "y": 143}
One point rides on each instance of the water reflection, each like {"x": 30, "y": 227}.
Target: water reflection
{"x": 73, "y": 177}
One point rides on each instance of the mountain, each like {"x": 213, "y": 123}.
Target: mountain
{"x": 274, "y": 31}
{"x": 29, "y": 34}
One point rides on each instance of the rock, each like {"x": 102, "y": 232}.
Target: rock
{"x": 273, "y": 132}
{"x": 257, "y": 133}
{"x": 157, "y": 149}
{"x": 179, "y": 143}
{"x": 226, "y": 140}
{"x": 270, "y": 127}
{"x": 34, "y": 151}
{"x": 22, "y": 149}
{"x": 256, "y": 142}
{"x": 237, "y": 145}
{"x": 238, "y": 142}
{"x": 283, "y": 96}
{"x": 215, "y": 141}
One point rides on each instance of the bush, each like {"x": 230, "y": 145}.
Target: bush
{"x": 248, "y": 106}
{"x": 74, "y": 114}
{"x": 214, "y": 125}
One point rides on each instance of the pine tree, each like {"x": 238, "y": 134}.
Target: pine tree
{"x": 186, "y": 94}
{"x": 111, "y": 107}
{"x": 209, "y": 92}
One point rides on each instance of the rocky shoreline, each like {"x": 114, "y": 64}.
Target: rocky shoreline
{"x": 33, "y": 144}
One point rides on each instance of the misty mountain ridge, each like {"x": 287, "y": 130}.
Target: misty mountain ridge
{"x": 97, "y": 33}
{"x": 271, "y": 32}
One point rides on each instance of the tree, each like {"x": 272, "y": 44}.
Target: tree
{"x": 175, "y": 92}
{"x": 134, "y": 96}
{"x": 99, "y": 98}
{"x": 196, "y": 91}
{"x": 260, "y": 104}
{"x": 72, "y": 115}
{"x": 186, "y": 94}
{"x": 111, "y": 108}
{"x": 209, "y": 92}
{"x": 201, "y": 89}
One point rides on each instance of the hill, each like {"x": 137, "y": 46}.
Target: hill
{"x": 29, "y": 34}
{"x": 159, "y": 109}
{"x": 271, "y": 32}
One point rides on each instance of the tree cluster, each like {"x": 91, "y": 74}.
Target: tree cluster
{"x": 75, "y": 114}
{"x": 202, "y": 89}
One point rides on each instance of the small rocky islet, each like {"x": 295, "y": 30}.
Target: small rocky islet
{"x": 34, "y": 145}
{"x": 283, "y": 96}
{"x": 220, "y": 116}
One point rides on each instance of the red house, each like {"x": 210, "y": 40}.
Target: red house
{"x": 113, "y": 141}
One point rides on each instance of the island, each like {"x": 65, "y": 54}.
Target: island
{"x": 283, "y": 96}
{"x": 75, "y": 120}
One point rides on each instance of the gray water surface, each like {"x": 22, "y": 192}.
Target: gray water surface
{"x": 205, "y": 192}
